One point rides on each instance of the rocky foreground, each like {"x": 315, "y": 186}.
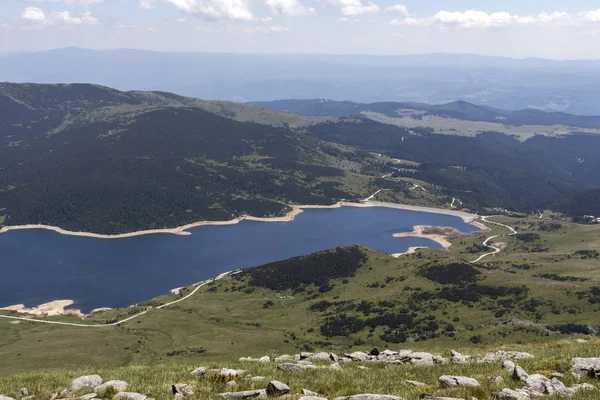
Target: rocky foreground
{"x": 532, "y": 386}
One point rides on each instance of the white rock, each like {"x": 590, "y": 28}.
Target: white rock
{"x": 230, "y": 385}
{"x": 118, "y": 386}
{"x": 312, "y": 398}
{"x": 519, "y": 373}
{"x": 199, "y": 371}
{"x": 370, "y": 397}
{"x": 415, "y": 383}
{"x": 86, "y": 382}
{"x": 130, "y": 396}
{"x": 508, "y": 365}
{"x": 89, "y": 396}
{"x": 284, "y": 358}
{"x": 583, "y": 367}
{"x": 307, "y": 392}
{"x": 458, "y": 381}
{"x": 5, "y": 398}
{"x": 276, "y": 388}
{"x": 248, "y": 394}
{"x": 496, "y": 380}
{"x": 183, "y": 389}
{"x": 336, "y": 366}
{"x": 511, "y": 394}
{"x": 583, "y": 386}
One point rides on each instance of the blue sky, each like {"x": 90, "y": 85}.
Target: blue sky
{"x": 526, "y": 28}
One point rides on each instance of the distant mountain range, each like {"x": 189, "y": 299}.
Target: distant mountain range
{"x": 511, "y": 84}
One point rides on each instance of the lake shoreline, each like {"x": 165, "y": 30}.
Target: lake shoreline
{"x": 295, "y": 210}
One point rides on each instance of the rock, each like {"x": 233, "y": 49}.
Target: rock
{"x": 199, "y": 371}
{"x": 556, "y": 375}
{"x": 307, "y": 392}
{"x": 291, "y": 367}
{"x": 421, "y": 358}
{"x": 304, "y": 355}
{"x": 508, "y": 365}
{"x": 86, "y": 382}
{"x": 374, "y": 352}
{"x": 178, "y": 396}
{"x": 415, "y": 383}
{"x": 369, "y": 397}
{"x": 556, "y": 387}
{"x": 227, "y": 373}
{"x": 444, "y": 398}
{"x": 264, "y": 359}
{"x": 276, "y": 388}
{"x": 388, "y": 353}
{"x": 183, "y": 389}
{"x": 284, "y": 358}
{"x": 336, "y": 366}
{"x": 130, "y": 396}
{"x": 362, "y": 367}
{"x": 118, "y": 386}
{"x": 511, "y": 394}
{"x": 583, "y": 386}
{"x": 64, "y": 393}
{"x": 496, "y": 380}
{"x": 537, "y": 382}
{"x": 457, "y": 358}
{"x": 5, "y": 398}
{"x": 54, "y": 396}
{"x": 248, "y": 394}
{"x": 312, "y": 398}
{"x": 230, "y": 385}
{"x": 583, "y": 367}
{"x": 540, "y": 383}
{"x": 439, "y": 360}
{"x": 89, "y": 396}
{"x": 322, "y": 356}
{"x": 582, "y": 341}
{"x": 23, "y": 392}
{"x": 458, "y": 381}
{"x": 305, "y": 362}
{"x": 257, "y": 379}
{"x": 358, "y": 356}
{"x": 519, "y": 373}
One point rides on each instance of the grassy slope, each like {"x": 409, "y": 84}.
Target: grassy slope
{"x": 230, "y": 322}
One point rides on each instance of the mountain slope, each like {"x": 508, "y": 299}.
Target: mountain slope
{"x": 90, "y": 158}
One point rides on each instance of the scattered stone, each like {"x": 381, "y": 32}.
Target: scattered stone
{"x": 183, "y": 389}
{"x": 276, "y": 388}
{"x": 305, "y": 362}
{"x": 227, "y": 373}
{"x": 458, "y": 381}
{"x": 312, "y": 398}
{"x": 257, "y": 379}
{"x": 511, "y": 394}
{"x": 415, "y": 383}
{"x": 583, "y": 367}
{"x": 557, "y": 375}
{"x": 307, "y": 392}
{"x": 265, "y": 359}
{"x": 496, "y": 380}
{"x": 304, "y": 355}
{"x": 54, "y": 396}
{"x": 358, "y": 356}
{"x": 362, "y": 367}
{"x": 291, "y": 367}
{"x": 583, "y": 386}
{"x": 519, "y": 373}
{"x": 540, "y": 383}
{"x": 336, "y": 366}
{"x": 370, "y": 397}
{"x": 199, "y": 371}
{"x": 23, "y": 392}
{"x": 89, "y": 396}
{"x": 118, "y": 386}
{"x": 130, "y": 396}
{"x": 5, "y": 398}
{"x": 444, "y": 398}
{"x": 457, "y": 358}
{"x": 86, "y": 382}
{"x": 230, "y": 385}
{"x": 284, "y": 358}
{"x": 508, "y": 365}
{"x": 322, "y": 356}
{"x": 582, "y": 341}
{"x": 248, "y": 394}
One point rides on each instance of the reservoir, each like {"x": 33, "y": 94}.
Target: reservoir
{"x": 39, "y": 266}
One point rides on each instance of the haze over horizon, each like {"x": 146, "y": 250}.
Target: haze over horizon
{"x": 546, "y": 29}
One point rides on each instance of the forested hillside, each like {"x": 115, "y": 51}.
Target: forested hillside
{"x": 85, "y": 157}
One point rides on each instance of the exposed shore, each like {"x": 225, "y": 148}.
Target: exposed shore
{"x": 295, "y": 210}
{"x": 53, "y": 308}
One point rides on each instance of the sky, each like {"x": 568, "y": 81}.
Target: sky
{"x": 525, "y": 28}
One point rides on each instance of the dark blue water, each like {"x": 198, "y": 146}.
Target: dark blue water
{"x": 38, "y": 266}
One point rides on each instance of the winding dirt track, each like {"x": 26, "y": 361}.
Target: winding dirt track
{"x": 486, "y": 241}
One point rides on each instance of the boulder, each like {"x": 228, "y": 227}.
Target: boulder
{"x": 336, "y": 366}
{"x": 508, "y": 365}
{"x": 304, "y": 355}
{"x": 557, "y": 375}
{"x": 519, "y": 373}
{"x": 457, "y": 358}
{"x": 312, "y": 398}
{"x": 583, "y": 367}
{"x": 276, "y": 388}
{"x": 5, "y": 398}
{"x": 554, "y": 387}
{"x": 458, "y": 381}
{"x": 23, "y": 392}
{"x": 537, "y": 382}
{"x": 130, "y": 396}
{"x": 511, "y": 394}
{"x": 291, "y": 367}
{"x": 583, "y": 386}
{"x": 421, "y": 358}
{"x": 369, "y": 397}
{"x": 582, "y": 341}
{"x": 89, "y": 396}
{"x": 118, "y": 386}
{"x": 182, "y": 388}
{"x": 322, "y": 356}
{"x": 227, "y": 373}
{"x": 86, "y": 382}
{"x": 199, "y": 371}
{"x": 358, "y": 356}
{"x": 248, "y": 394}
{"x": 230, "y": 385}
{"x": 284, "y": 358}
{"x": 307, "y": 392}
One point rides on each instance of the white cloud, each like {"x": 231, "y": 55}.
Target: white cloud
{"x": 343, "y": 19}
{"x": 215, "y": 9}
{"x": 271, "y": 28}
{"x": 474, "y": 19}
{"x": 38, "y": 16}
{"x": 289, "y": 7}
{"x": 147, "y": 4}
{"x": 76, "y": 2}
{"x": 590, "y": 16}
{"x": 356, "y": 7}
{"x": 401, "y": 8}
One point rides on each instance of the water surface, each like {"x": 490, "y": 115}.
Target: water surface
{"x": 39, "y": 266}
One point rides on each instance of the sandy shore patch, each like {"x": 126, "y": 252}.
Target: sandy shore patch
{"x": 411, "y": 250}
{"x": 435, "y": 233}
{"x": 53, "y": 308}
